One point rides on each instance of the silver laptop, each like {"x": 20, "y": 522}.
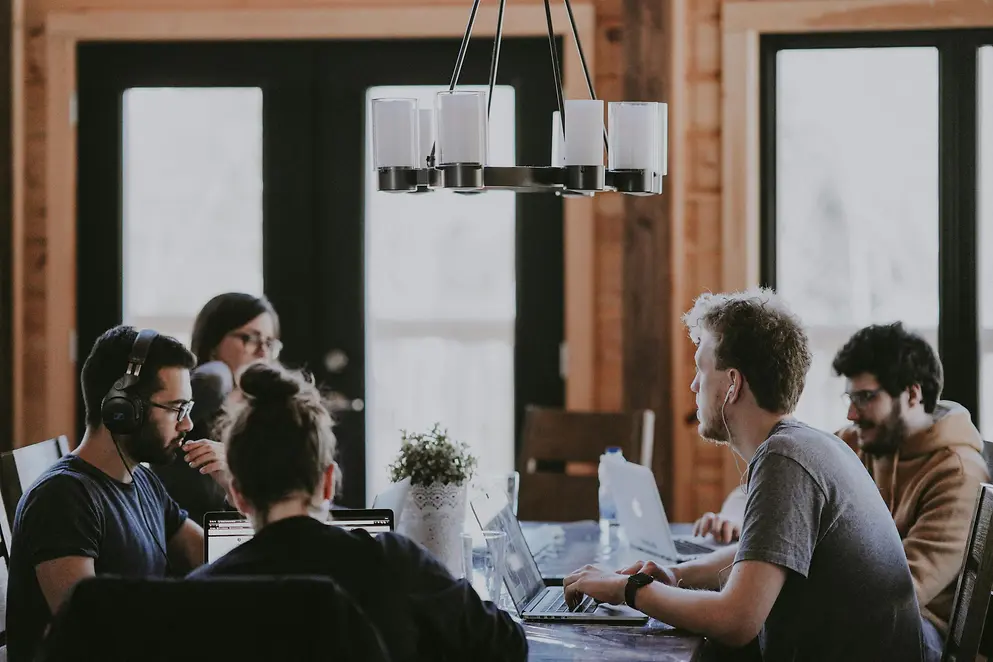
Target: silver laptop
{"x": 641, "y": 513}
{"x": 533, "y": 600}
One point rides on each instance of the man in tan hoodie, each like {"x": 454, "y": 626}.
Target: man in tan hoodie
{"x": 924, "y": 454}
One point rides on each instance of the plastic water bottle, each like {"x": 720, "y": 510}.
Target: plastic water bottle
{"x": 608, "y": 508}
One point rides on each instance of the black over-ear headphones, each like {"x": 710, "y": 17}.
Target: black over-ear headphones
{"x": 122, "y": 411}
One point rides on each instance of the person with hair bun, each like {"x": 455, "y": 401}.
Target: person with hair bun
{"x": 231, "y": 331}
{"x": 280, "y": 452}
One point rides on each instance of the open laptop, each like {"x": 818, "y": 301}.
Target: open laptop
{"x": 641, "y": 513}
{"x": 393, "y": 498}
{"x": 223, "y": 531}
{"x": 533, "y": 600}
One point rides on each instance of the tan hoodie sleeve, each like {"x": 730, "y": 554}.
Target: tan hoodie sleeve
{"x": 936, "y": 541}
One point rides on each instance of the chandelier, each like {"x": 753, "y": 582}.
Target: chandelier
{"x": 416, "y": 150}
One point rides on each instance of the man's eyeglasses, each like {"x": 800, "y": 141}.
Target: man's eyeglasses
{"x": 861, "y": 399}
{"x": 181, "y": 411}
{"x": 253, "y": 341}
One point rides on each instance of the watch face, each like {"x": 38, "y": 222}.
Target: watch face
{"x": 642, "y": 579}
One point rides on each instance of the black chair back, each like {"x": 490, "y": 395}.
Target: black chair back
{"x": 972, "y": 597}
{"x": 22, "y": 466}
{"x": 116, "y": 619}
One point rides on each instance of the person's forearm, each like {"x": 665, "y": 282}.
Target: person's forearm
{"x": 704, "y": 572}
{"x": 705, "y": 612}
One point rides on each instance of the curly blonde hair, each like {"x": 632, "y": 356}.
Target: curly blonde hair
{"x": 757, "y": 334}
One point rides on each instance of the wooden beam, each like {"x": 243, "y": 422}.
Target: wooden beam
{"x": 7, "y": 228}
{"x": 789, "y": 16}
{"x": 648, "y": 274}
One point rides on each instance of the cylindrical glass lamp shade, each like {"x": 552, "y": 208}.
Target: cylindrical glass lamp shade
{"x": 426, "y": 129}
{"x": 663, "y": 139}
{"x": 558, "y": 140}
{"x": 633, "y": 135}
{"x": 462, "y": 128}
{"x": 394, "y": 133}
{"x": 584, "y": 132}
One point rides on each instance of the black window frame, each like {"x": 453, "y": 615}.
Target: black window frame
{"x": 959, "y": 342}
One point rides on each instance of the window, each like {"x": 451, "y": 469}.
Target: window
{"x": 192, "y": 187}
{"x": 868, "y": 212}
{"x": 441, "y": 309}
{"x": 856, "y": 200}
{"x": 985, "y": 194}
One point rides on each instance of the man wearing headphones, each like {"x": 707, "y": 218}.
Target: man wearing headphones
{"x": 98, "y": 510}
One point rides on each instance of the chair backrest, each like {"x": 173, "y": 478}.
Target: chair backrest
{"x": 561, "y": 452}
{"x": 230, "y": 618}
{"x": 988, "y": 456}
{"x": 21, "y": 467}
{"x": 972, "y": 597}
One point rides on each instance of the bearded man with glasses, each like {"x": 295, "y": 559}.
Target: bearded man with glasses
{"x": 924, "y": 454}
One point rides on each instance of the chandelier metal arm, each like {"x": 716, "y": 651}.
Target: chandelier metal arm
{"x": 586, "y": 68}
{"x": 464, "y": 47}
{"x": 579, "y": 47}
{"x": 556, "y": 71}
{"x": 495, "y": 58}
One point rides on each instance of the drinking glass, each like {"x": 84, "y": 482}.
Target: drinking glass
{"x": 484, "y": 559}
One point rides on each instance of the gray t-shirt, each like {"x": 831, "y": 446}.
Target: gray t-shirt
{"x": 813, "y": 509}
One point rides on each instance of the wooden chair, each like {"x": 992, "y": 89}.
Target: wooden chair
{"x": 988, "y": 456}
{"x": 21, "y": 467}
{"x": 560, "y": 455}
{"x": 4, "y": 569}
{"x": 972, "y": 597}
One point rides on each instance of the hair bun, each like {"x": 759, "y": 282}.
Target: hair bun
{"x": 268, "y": 382}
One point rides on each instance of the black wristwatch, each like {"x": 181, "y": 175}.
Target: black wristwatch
{"x": 635, "y": 581}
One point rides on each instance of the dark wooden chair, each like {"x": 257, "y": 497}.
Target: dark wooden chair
{"x": 21, "y": 467}
{"x": 116, "y": 619}
{"x": 972, "y": 597}
{"x": 561, "y": 452}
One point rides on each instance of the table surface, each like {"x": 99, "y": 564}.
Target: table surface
{"x": 560, "y": 549}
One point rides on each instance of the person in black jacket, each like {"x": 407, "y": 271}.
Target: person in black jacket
{"x": 280, "y": 448}
{"x": 231, "y": 331}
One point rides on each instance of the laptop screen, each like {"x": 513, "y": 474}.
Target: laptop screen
{"x": 523, "y": 578}
{"x": 226, "y": 530}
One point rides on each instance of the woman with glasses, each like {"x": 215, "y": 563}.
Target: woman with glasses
{"x": 232, "y": 331}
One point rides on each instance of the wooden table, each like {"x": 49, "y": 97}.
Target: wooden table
{"x": 560, "y": 549}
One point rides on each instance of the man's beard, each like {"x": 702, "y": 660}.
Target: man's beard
{"x": 712, "y": 427}
{"x": 147, "y": 445}
{"x": 889, "y": 434}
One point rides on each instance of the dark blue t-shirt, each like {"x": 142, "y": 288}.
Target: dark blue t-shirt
{"x": 74, "y": 509}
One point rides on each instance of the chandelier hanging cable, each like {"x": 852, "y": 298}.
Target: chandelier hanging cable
{"x": 446, "y": 147}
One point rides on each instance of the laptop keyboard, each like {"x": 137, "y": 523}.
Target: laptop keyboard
{"x": 556, "y": 604}
{"x": 687, "y": 548}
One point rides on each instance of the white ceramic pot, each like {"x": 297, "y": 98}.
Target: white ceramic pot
{"x": 434, "y": 517}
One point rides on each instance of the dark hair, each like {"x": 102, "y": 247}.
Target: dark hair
{"x": 222, "y": 315}
{"x": 280, "y": 439}
{"x": 760, "y": 336}
{"x": 108, "y": 361}
{"x": 896, "y": 357}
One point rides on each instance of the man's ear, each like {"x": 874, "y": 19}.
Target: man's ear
{"x": 736, "y": 386}
{"x": 915, "y": 395}
{"x": 329, "y": 482}
{"x": 240, "y": 502}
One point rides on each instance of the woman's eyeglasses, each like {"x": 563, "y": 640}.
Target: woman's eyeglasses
{"x": 254, "y": 341}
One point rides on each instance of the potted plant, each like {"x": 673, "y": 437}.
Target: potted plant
{"x": 439, "y": 469}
